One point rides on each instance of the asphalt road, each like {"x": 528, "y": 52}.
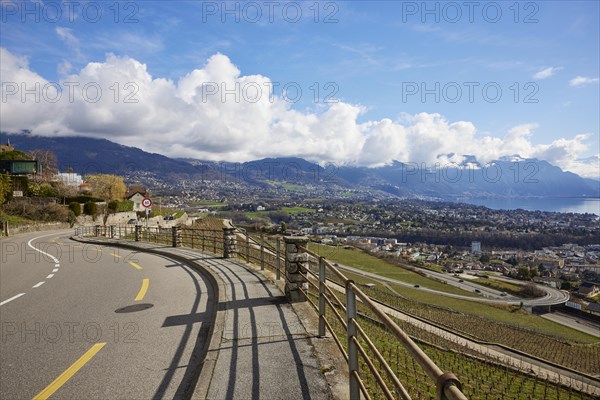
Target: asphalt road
{"x": 574, "y": 322}
{"x": 486, "y": 295}
{"x": 84, "y": 321}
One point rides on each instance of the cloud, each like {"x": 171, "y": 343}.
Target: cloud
{"x": 588, "y": 167}
{"x": 217, "y": 113}
{"x": 583, "y": 80}
{"x": 65, "y": 67}
{"x": 546, "y": 73}
{"x": 67, "y": 36}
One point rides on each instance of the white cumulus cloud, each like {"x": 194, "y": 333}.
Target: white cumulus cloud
{"x": 217, "y": 113}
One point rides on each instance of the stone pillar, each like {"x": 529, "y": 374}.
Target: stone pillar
{"x": 138, "y": 233}
{"x": 176, "y": 235}
{"x": 112, "y": 232}
{"x": 97, "y": 231}
{"x": 296, "y": 265}
{"x": 229, "y": 243}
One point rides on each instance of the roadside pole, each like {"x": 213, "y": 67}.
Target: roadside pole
{"x": 147, "y": 213}
{"x": 147, "y": 204}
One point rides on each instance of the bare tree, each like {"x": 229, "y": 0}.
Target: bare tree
{"x": 49, "y": 163}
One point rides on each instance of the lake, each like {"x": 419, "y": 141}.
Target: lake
{"x": 576, "y": 205}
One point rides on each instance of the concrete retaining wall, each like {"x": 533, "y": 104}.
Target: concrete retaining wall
{"x": 14, "y": 230}
{"x": 120, "y": 218}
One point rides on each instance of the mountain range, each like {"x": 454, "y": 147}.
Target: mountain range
{"x": 507, "y": 177}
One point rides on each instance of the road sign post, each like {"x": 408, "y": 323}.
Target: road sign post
{"x": 147, "y": 214}
{"x": 147, "y": 203}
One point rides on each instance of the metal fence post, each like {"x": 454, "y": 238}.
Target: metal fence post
{"x": 247, "y": 248}
{"x": 262, "y": 251}
{"x": 351, "y": 334}
{"x": 277, "y": 260}
{"x": 321, "y": 297}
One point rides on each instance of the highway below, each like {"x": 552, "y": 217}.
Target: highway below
{"x": 487, "y": 295}
{"x": 87, "y": 321}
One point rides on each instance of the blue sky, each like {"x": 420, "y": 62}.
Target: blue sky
{"x": 378, "y": 56}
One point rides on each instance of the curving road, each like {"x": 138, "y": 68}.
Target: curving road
{"x": 488, "y": 295}
{"x": 85, "y": 321}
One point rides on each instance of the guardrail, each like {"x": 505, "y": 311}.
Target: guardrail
{"x": 347, "y": 319}
{"x": 358, "y": 341}
{"x": 206, "y": 240}
{"x": 319, "y": 271}
{"x": 261, "y": 251}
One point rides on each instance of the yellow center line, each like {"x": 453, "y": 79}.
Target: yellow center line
{"x": 143, "y": 290}
{"x": 69, "y": 372}
{"x": 115, "y": 255}
{"x": 134, "y": 265}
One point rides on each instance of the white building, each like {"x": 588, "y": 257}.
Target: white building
{"x": 137, "y": 202}
{"x": 476, "y": 247}
{"x": 70, "y": 178}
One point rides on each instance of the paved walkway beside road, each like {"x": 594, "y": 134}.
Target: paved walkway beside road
{"x": 259, "y": 348}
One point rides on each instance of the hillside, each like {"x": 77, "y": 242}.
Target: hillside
{"x": 86, "y": 155}
{"x": 500, "y": 179}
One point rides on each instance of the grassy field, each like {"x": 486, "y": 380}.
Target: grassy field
{"x": 16, "y": 220}
{"x": 358, "y": 259}
{"x": 209, "y": 203}
{"x": 264, "y": 215}
{"x": 258, "y": 215}
{"x": 297, "y": 210}
{"x": 500, "y": 313}
{"x": 432, "y": 267}
{"x": 287, "y": 186}
{"x": 499, "y": 285}
{"x": 293, "y": 188}
{"x": 164, "y": 211}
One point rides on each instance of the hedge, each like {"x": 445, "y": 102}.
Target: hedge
{"x": 83, "y": 199}
{"x": 75, "y": 207}
{"x": 120, "y": 206}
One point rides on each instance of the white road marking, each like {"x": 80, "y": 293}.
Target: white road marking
{"x": 11, "y": 299}
{"x": 37, "y": 285}
{"x": 56, "y": 260}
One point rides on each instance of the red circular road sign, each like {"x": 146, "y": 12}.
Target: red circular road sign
{"x": 147, "y": 202}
